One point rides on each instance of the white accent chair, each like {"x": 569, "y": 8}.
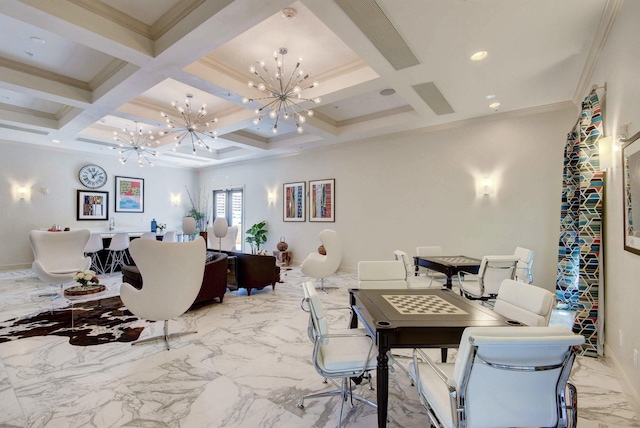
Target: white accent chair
{"x": 92, "y": 249}
{"x": 148, "y": 235}
{"x": 413, "y": 281}
{"x": 524, "y": 272}
{"x": 432, "y": 250}
{"x": 320, "y": 266}
{"x": 227, "y": 243}
{"x": 525, "y": 303}
{"x": 345, "y": 355}
{"x": 169, "y": 236}
{"x": 381, "y": 274}
{"x": 59, "y": 255}
{"x": 172, "y": 275}
{"x": 502, "y": 377}
{"x": 493, "y": 270}
{"x": 117, "y": 250}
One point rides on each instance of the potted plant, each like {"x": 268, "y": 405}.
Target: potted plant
{"x": 256, "y": 235}
{"x": 200, "y": 210}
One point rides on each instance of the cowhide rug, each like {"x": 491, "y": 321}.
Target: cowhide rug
{"x": 94, "y": 322}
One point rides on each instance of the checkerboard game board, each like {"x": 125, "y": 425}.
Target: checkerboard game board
{"x": 422, "y": 305}
{"x": 455, "y": 260}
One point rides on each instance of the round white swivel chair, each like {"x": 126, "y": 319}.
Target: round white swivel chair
{"x": 59, "y": 255}
{"x": 172, "y": 275}
{"x": 320, "y": 266}
{"x": 117, "y": 249}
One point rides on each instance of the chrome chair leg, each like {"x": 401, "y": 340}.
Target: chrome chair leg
{"x": 323, "y": 288}
{"x": 166, "y": 336}
{"x": 345, "y": 392}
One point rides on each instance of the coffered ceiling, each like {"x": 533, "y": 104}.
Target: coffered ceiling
{"x": 74, "y": 71}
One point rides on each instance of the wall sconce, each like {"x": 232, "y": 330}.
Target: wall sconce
{"x": 485, "y": 186}
{"x": 605, "y": 150}
{"x": 175, "y": 200}
{"x": 271, "y": 198}
{"x": 21, "y": 193}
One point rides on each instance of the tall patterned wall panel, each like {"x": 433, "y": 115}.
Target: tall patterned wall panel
{"x": 580, "y": 224}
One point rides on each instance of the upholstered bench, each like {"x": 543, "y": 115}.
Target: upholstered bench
{"x": 214, "y": 282}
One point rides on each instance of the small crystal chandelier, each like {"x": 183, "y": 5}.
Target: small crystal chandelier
{"x": 284, "y": 96}
{"x": 189, "y": 125}
{"x": 137, "y": 142}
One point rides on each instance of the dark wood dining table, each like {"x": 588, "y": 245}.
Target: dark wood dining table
{"x": 403, "y": 318}
{"x": 449, "y": 265}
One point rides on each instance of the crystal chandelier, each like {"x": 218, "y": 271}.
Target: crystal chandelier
{"x": 136, "y": 141}
{"x": 283, "y": 95}
{"x": 189, "y": 126}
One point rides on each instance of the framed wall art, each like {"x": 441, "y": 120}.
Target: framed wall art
{"x": 322, "y": 200}
{"x": 631, "y": 193}
{"x": 293, "y": 201}
{"x": 129, "y": 195}
{"x": 92, "y": 205}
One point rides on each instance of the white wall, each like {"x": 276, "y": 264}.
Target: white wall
{"x": 619, "y": 66}
{"x": 419, "y": 189}
{"x": 57, "y": 170}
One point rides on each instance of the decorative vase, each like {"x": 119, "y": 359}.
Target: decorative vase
{"x": 282, "y": 246}
{"x": 321, "y": 250}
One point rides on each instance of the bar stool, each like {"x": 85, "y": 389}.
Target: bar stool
{"x": 92, "y": 249}
{"x": 169, "y": 236}
{"x": 117, "y": 250}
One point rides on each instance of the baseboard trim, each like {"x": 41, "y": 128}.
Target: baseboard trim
{"x": 16, "y": 266}
{"x": 627, "y": 386}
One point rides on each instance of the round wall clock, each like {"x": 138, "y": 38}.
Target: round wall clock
{"x": 92, "y": 176}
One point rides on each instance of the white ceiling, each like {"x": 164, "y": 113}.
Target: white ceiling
{"x": 107, "y": 64}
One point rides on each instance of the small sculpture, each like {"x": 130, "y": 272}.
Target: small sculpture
{"x": 282, "y": 246}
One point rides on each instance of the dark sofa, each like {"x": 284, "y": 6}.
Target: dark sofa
{"x": 254, "y": 272}
{"x": 214, "y": 281}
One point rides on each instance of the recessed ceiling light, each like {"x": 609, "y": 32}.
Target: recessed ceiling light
{"x": 387, "y": 92}
{"x": 37, "y": 40}
{"x": 289, "y": 13}
{"x": 490, "y": 97}
{"x": 55, "y": 141}
{"x": 479, "y": 56}
{"x": 494, "y": 105}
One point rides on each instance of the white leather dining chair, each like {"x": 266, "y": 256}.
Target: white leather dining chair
{"x": 525, "y": 303}
{"x": 502, "y": 377}
{"x": 415, "y": 281}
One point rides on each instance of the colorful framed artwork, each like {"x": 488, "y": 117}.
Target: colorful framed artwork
{"x": 92, "y": 205}
{"x": 322, "y": 200}
{"x": 293, "y": 201}
{"x": 631, "y": 193}
{"x": 129, "y": 195}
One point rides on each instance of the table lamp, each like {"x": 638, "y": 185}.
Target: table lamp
{"x": 220, "y": 228}
{"x": 189, "y": 226}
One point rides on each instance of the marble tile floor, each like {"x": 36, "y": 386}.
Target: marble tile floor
{"x": 246, "y": 367}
